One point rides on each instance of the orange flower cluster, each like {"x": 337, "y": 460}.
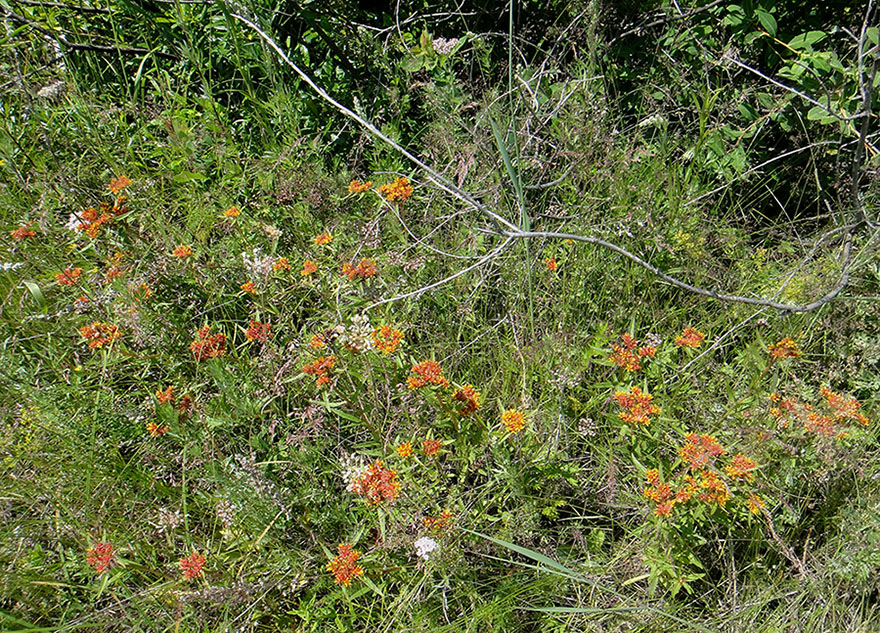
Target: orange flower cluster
{"x": 68, "y": 276}
{"x": 439, "y": 522}
{"x": 208, "y": 345}
{"x": 431, "y": 447}
{"x": 192, "y": 565}
{"x": 142, "y": 292}
{"x": 551, "y": 263}
{"x": 308, "y": 268}
{"x": 427, "y": 372}
{"x": 93, "y": 219}
{"x": 398, "y": 191}
{"x": 249, "y": 287}
{"x": 182, "y": 252}
{"x": 659, "y": 492}
{"x": 712, "y": 488}
{"x": 356, "y": 186}
{"x": 514, "y": 421}
{"x": 320, "y": 369}
{"x": 405, "y": 450}
{"x": 786, "y": 348}
{"x": 365, "y": 268}
{"x": 101, "y": 557}
{"x": 344, "y": 565}
{"x": 628, "y": 354}
{"x": 282, "y": 263}
{"x": 23, "y": 232}
{"x": 232, "y": 212}
{"x": 323, "y": 239}
{"x": 166, "y": 395}
{"x": 118, "y": 184}
{"x": 259, "y": 332}
{"x": 690, "y": 337}
{"x": 157, "y": 430}
{"x": 386, "y": 339}
{"x": 756, "y": 505}
{"x": 317, "y": 341}
{"x": 637, "y": 406}
{"x": 842, "y": 407}
{"x": 99, "y": 334}
{"x": 741, "y": 467}
{"x": 377, "y": 485}
{"x": 699, "y": 451}
{"x": 469, "y": 397}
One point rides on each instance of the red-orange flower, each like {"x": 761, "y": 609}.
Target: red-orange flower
{"x": 690, "y": 337}
{"x": 551, "y": 263}
{"x": 323, "y": 239}
{"x": 280, "y": 264}
{"x": 208, "y": 345}
{"x": 431, "y": 447}
{"x": 699, "y": 450}
{"x": 118, "y": 184}
{"x": 308, "y": 268}
{"x": 440, "y": 522}
{"x": 741, "y": 467}
{"x": 23, "y": 232}
{"x": 68, "y": 276}
{"x": 844, "y": 408}
{"x": 637, "y": 406}
{"x": 398, "y": 191}
{"x": 260, "y": 332}
{"x": 386, "y": 339}
{"x": 166, "y": 396}
{"x": 786, "y": 348}
{"x": 320, "y": 369}
{"x": 514, "y": 421}
{"x": 628, "y": 354}
{"x": 232, "y": 212}
{"x": 192, "y": 565}
{"x": 249, "y": 287}
{"x": 157, "y": 430}
{"x": 469, "y": 397}
{"x": 101, "y": 557}
{"x": 356, "y": 186}
{"x": 364, "y": 269}
{"x": 377, "y": 485}
{"x": 405, "y": 450}
{"x": 182, "y": 252}
{"x": 99, "y": 334}
{"x": 344, "y": 565}
{"x": 427, "y": 372}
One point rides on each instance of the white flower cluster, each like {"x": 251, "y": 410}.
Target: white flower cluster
{"x": 257, "y": 266}
{"x": 424, "y": 546}
{"x": 4, "y": 266}
{"x": 353, "y": 468}
{"x": 442, "y": 46}
{"x": 358, "y": 336}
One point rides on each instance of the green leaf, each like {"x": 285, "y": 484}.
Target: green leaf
{"x": 767, "y": 21}
{"x": 36, "y": 293}
{"x": 805, "y": 41}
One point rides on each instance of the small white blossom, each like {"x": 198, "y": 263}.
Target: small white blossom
{"x": 424, "y": 546}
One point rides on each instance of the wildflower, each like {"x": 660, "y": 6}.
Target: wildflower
{"x": 208, "y": 345}
{"x": 185, "y": 406}
{"x": 232, "y": 212}
{"x": 166, "y": 396}
{"x": 469, "y": 397}
{"x": 427, "y": 372}
{"x": 323, "y": 239}
{"x": 386, "y": 339}
{"x": 741, "y": 467}
{"x": 756, "y": 504}
{"x": 440, "y": 522}
{"x": 819, "y": 424}
{"x": 424, "y": 546}
{"x": 320, "y": 369}
{"x": 182, "y": 252}
{"x": 844, "y": 408}
{"x": 68, "y": 276}
{"x": 23, "y": 232}
{"x": 142, "y": 292}
{"x": 118, "y": 184}
{"x": 690, "y": 337}
{"x": 551, "y": 263}
{"x": 377, "y": 484}
{"x": 356, "y": 186}
{"x": 786, "y": 348}
{"x": 99, "y": 334}
{"x": 364, "y": 269}
{"x": 714, "y": 490}
{"x": 628, "y": 354}
{"x": 431, "y": 447}
{"x": 317, "y": 341}
{"x": 272, "y": 232}
{"x": 405, "y": 450}
{"x": 308, "y": 268}
{"x": 192, "y": 565}
{"x": 699, "y": 450}
{"x": 514, "y": 421}
{"x": 344, "y": 565}
{"x": 664, "y": 509}
{"x": 101, "y": 557}
{"x": 260, "y": 332}
{"x": 281, "y": 264}
{"x": 358, "y": 337}
{"x": 249, "y": 287}
{"x": 157, "y": 430}
{"x": 398, "y": 191}
{"x": 637, "y": 406}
